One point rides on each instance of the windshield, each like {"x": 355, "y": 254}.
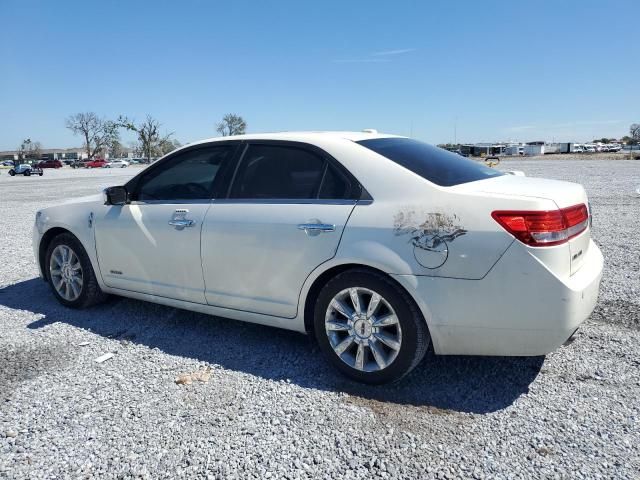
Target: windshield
{"x": 432, "y": 163}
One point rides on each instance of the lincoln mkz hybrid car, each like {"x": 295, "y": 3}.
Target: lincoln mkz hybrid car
{"x": 378, "y": 245}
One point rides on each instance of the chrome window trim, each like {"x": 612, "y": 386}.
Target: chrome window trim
{"x": 284, "y": 201}
{"x": 201, "y": 201}
{"x": 256, "y": 201}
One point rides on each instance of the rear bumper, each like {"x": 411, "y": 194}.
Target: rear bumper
{"x": 520, "y": 308}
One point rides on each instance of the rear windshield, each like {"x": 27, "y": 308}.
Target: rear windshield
{"x": 435, "y": 164}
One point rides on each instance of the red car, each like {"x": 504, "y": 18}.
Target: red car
{"x": 97, "y": 163}
{"x": 49, "y": 164}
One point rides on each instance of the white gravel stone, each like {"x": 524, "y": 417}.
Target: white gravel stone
{"x": 273, "y": 408}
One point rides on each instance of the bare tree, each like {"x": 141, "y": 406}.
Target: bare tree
{"x": 148, "y": 133}
{"x": 634, "y": 132}
{"x": 29, "y": 150}
{"x": 231, "y": 124}
{"x": 136, "y": 148}
{"x": 98, "y": 134}
{"x": 168, "y": 145}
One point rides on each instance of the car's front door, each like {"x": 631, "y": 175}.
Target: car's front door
{"x": 152, "y": 244}
{"x": 283, "y": 217}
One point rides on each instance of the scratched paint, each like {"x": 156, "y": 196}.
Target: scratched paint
{"x": 427, "y": 231}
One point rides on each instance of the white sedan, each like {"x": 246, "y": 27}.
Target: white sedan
{"x": 376, "y": 244}
{"x": 116, "y": 164}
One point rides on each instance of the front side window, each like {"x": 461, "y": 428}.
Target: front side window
{"x": 432, "y": 163}
{"x": 278, "y": 172}
{"x": 186, "y": 176}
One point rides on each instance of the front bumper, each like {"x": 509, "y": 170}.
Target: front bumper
{"x": 520, "y": 308}
{"x": 35, "y": 242}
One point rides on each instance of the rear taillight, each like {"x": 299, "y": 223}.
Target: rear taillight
{"x": 544, "y": 228}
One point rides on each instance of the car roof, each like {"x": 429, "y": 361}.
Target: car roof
{"x": 309, "y": 136}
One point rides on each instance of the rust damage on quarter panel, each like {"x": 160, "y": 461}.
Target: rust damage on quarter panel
{"x": 427, "y": 231}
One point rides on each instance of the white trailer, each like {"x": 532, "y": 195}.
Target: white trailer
{"x": 530, "y": 150}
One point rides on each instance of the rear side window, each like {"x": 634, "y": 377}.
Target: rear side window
{"x": 432, "y": 163}
{"x": 276, "y": 172}
{"x": 334, "y": 184}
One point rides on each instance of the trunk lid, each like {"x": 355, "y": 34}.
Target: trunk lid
{"x": 562, "y": 194}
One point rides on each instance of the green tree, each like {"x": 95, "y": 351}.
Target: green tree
{"x": 116, "y": 149}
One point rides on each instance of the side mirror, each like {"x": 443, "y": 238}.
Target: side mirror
{"x": 116, "y": 196}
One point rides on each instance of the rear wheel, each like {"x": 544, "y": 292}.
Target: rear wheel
{"x": 70, "y": 273}
{"x": 369, "y": 327}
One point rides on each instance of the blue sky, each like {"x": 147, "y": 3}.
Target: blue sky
{"x": 509, "y": 70}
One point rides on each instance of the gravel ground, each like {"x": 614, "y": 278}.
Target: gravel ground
{"x": 273, "y": 408}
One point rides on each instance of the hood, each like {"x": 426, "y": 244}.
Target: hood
{"x": 98, "y": 197}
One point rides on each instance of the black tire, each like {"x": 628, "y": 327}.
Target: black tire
{"x": 415, "y": 334}
{"x": 40, "y": 173}
{"x": 27, "y": 173}
{"x": 90, "y": 294}
{"x": 12, "y": 172}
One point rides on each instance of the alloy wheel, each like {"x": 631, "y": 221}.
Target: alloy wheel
{"x": 363, "y": 329}
{"x": 65, "y": 272}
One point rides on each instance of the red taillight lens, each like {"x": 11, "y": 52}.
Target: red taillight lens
{"x": 544, "y": 228}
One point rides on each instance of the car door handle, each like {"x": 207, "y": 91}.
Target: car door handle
{"x": 178, "y": 223}
{"x": 313, "y": 229}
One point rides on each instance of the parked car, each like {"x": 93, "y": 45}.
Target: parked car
{"x": 77, "y": 164}
{"x": 7, "y": 163}
{"x": 49, "y": 164}
{"x": 97, "y": 163}
{"x": 116, "y": 164}
{"x": 379, "y": 245}
{"x": 26, "y": 170}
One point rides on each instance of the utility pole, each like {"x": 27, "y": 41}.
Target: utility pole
{"x": 455, "y": 131}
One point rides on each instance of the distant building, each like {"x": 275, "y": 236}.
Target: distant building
{"x": 482, "y": 149}
{"x": 49, "y": 154}
{"x": 62, "y": 154}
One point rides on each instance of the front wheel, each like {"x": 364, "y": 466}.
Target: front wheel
{"x": 369, "y": 327}
{"x": 12, "y": 172}
{"x": 70, "y": 273}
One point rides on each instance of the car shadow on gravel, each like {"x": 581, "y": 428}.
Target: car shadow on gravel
{"x": 442, "y": 384}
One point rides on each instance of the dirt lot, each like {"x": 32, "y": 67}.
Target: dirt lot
{"x": 273, "y": 408}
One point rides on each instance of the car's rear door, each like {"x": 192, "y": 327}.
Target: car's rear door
{"x": 284, "y": 216}
{"x": 152, "y": 244}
